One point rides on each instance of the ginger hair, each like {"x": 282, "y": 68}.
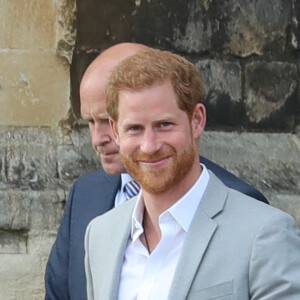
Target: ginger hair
{"x": 152, "y": 67}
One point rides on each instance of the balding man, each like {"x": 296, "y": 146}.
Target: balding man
{"x": 98, "y": 192}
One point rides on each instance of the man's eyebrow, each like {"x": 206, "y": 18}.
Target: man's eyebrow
{"x": 129, "y": 123}
{"x": 166, "y": 117}
{"x": 103, "y": 116}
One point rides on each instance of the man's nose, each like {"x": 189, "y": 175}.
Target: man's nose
{"x": 150, "y": 142}
{"x": 101, "y": 134}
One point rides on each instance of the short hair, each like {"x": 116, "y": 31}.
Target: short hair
{"x": 150, "y": 67}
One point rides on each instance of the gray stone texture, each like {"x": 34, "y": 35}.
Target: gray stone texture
{"x": 13, "y": 242}
{"x": 271, "y": 161}
{"x": 21, "y": 277}
{"x": 222, "y": 82}
{"x": 28, "y": 158}
{"x": 14, "y": 207}
{"x": 238, "y": 27}
{"x": 230, "y": 37}
{"x": 295, "y": 27}
{"x": 76, "y": 158}
{"x": 271, "y": 94}
{"x": 254, "y": 27}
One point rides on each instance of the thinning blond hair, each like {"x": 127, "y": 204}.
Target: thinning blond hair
{"x": 150, "y": 67}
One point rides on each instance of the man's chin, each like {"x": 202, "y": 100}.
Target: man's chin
{"x": 112, "y": 168}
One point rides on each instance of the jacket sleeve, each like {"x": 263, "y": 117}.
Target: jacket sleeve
{"x": 56, "y": 275}
{"x": 274, "y": 270}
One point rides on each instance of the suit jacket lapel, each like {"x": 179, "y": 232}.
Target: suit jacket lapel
{"x": 110, "y": 190}
{"x": 198, "y": 238}
{"x": 115, "y": 245}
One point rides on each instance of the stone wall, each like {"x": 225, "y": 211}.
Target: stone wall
{"x": 247, "y": 51}
{"x": 36, "y": 44}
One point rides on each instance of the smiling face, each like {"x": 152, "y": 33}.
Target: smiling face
{"x": 158, "y": 141}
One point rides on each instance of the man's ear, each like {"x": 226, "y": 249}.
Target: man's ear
{"x": 114, "y": 127}
{"x": 198, "y": 120}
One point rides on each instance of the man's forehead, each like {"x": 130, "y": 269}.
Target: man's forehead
{"x": 94, "y": 108}
{"x": 95, "y": 115}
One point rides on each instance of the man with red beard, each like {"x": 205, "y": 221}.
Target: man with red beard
{"x": 97, "y": 192}
{"x": 186, "y": 235}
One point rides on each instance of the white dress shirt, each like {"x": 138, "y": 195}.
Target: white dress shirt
{"x": 121, "y": 197}
{"x": 147, "y": 276}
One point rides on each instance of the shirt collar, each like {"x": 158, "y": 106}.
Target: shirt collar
{"x": 182, "y": 211}
{"x": 185, "y": 208}
{"x": 125, "y": 178}
{"x": 137, "y": 218}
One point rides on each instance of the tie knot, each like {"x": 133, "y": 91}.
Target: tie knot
{"x": 131, "y": 189}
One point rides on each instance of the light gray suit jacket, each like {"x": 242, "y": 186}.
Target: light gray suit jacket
{"x": 236, "y": 248}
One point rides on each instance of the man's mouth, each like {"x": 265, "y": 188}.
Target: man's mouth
{"x": 155, "y": 163}
{"x": 107, "y": 154}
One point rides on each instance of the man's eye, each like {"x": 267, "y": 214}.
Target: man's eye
{"x": 132, "y": 128}
{"x": 165, "y": 124}
{"x": 135, "y": 128}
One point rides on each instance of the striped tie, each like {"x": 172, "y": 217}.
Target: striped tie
{"x": 131, "y": 189}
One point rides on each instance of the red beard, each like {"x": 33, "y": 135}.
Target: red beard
{"x": 159, "y": 180}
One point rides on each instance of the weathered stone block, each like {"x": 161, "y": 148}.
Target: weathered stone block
{"x": 19, "y": 31}
{"x": 240, "y": 27}
{"x": 14, "y": 208}
{"x": 46, "y": 209}
{"x": 265, "y": 160}
{"x": 82, "y": 139}
{"x": 31, "y": 210}
{"x": 295, "y": 26}
{"x": 31, "y": 166}
{"x": 91, "y": 34}
{"x": 29, "y": 157}
{"x": 34, "y": 89}
{"x": 253, "y": 27}
{"x": 271, "y": 94}
{"x": 21, "y": 277}
{"x": 223, "y": 100}
{"x": 12, "y": 242}
{"x": 194, "y": 34}
{"x": 40, "y": 243}
{"x": 78, "y": 159}
{"x": 2, "y": 164}
{"x": 22, "y": 136}
{"x": 66, "y": 28}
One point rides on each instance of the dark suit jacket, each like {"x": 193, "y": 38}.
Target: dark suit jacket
{"x": 93, "y": 195}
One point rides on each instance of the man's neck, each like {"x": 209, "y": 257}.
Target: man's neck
{"x": 156, "y": 204}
